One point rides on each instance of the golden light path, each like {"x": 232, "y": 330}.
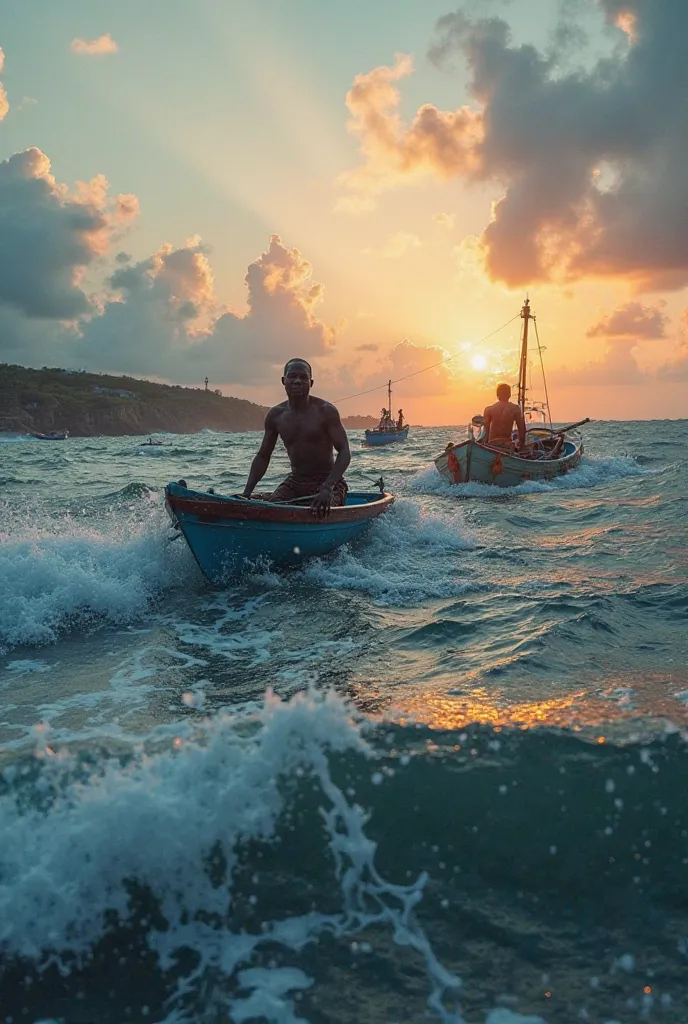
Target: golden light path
{"x": 609, "y": 708}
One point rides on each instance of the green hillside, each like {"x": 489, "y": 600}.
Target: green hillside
{"x": 88, "y": 404}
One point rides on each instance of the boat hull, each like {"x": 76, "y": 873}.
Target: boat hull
{"x": 377, "y": 438}
{"x": 52, "y": 437}
{"x": 481, "y": 464}
{"x": 229, "y": 535}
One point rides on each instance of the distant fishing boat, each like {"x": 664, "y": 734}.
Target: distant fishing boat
{"x": 549, "y": 451}
{"x": 228, "y": 534}
{"x": 55, "y": 435}
{"x": 388, "y": 432}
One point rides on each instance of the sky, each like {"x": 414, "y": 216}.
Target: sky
{"x": 207, "y": 189}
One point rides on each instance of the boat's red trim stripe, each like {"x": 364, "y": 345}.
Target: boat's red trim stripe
{"x": 210, "y": 510}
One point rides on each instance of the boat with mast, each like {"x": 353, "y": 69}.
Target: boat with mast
{"x": 388, "y": 429}
{"x": 548, "y": 452}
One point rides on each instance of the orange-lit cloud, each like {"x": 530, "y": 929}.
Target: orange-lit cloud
{"x": 616, "y": 368}
{"x": 440, "y": 142}
{"x": 164, "y": 313}
{"x": 542, "y": 135}
{"x": 99, "y": 47}
{"x": 632, "y": 320}
{"x": 4, "y": 105}
{"x": 623, "y": 330}
{"x": 675, "y": 369}
{"x": 628, "y": 23}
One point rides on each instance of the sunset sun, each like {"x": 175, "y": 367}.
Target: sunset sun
{"x": 479, "y": 362}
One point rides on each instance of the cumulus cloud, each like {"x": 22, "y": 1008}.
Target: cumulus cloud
{"x": 408, "y": 358}
{"x": 156, "y": 309}
{"x": 157, "y": 316}
{"x": 51, "y": 235}
{"x": 591, "y": 161}
{"x": 616, "y": 366}
{"x": 4, "y": 105}
{"x": 632, "y": 320}
{"x": 403, "y": 359}
{"x": 439, "y": 141}
{"x": 675, "y": 369}
{"x": 164, "y": 319}
{"x": 94, "y": 47}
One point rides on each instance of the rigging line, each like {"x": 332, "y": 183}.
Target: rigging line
{"x": 415, "y": 373}
{"x": 544, "y": 379}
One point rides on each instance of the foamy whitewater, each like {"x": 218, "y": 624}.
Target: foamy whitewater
{"x": 439, "y": 775}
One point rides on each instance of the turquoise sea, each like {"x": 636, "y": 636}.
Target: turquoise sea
{"x": 440, "y": 775}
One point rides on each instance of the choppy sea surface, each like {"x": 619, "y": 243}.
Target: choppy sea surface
{"x": 440, "y": 775}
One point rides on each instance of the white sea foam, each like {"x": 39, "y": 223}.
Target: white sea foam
{"x": 593, "y": 470}
{"x": 407, "y": 556}
{"x": 67, "y": 571}
{"x": 158, "y": 819}
{"x": 26, "y": 666}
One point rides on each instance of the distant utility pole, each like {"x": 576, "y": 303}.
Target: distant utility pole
{"x": 206, "y": 383}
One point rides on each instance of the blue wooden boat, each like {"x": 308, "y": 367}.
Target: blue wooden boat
{"x": 228, "y": 534}
{"x": 378, "y": 437}
{"x": 389, "y": 432}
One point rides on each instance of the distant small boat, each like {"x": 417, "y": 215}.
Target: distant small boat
{"x": 151, "y": 444}
{"x": 55, "y": 435}
{"x": 389, "y": 432}
{"x": 549, "y": 451}
{"x": 228, "y": 534}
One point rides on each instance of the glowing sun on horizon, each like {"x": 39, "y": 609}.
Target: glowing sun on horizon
{"x": 479, "y": 362}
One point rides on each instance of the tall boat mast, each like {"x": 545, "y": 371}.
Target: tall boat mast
{"x": 526, "y": 316}
{"x": 389, "y": 398}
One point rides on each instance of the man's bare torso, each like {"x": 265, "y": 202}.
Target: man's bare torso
{"x": 501, "y": 417}
{"x": 306, "y": 436}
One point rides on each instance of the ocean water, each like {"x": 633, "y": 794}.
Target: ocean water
{"x": 440, "y": 775}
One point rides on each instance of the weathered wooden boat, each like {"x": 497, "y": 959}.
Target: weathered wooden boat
{"x": 548, "y": 452}
{"x": 386, "y": 434}
{"x": 228, "y": 534}
{"x": 54, "y": 435}
{"x": 379, "y": 437}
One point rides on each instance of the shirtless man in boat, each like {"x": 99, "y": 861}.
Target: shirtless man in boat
{"x": 499, "y": 420}
{"x": 310, "y": 429}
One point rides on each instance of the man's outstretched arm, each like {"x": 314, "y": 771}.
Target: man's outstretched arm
{"x": 259, "y": 466}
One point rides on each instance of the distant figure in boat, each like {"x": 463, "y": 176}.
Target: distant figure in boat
{"x": 310, "y": 429}
{"x": 386, "y": 422}
{"x": 500, "y": 418}
{"x": 400, "y": 420}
